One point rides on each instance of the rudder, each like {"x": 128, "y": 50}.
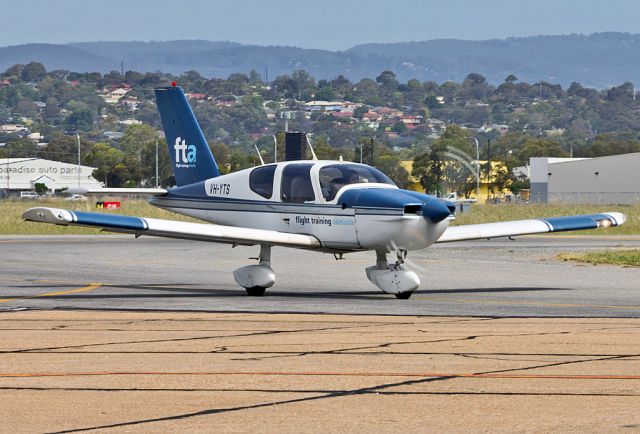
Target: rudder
{"x": 190, "y": 154}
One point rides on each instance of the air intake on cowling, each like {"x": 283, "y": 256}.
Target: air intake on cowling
{"x": 295, "y": 146}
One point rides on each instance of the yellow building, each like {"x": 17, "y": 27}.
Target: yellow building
{"x": 497, "y": 167}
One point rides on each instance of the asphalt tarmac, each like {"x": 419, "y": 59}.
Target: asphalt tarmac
{"x": 114, "y": 334}
{"x": 177, "y": 372}
{"x": 493, "y": 278}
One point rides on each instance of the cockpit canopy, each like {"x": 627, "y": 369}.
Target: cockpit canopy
{"x": 296, "y": 184}
{"x": 335, "y": 176}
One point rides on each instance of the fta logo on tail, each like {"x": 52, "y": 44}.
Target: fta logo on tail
{"x": 185, "y": 155}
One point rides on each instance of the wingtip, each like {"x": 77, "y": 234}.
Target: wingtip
{"x": 48, "y": 215}
{"x": 618, "y": 217}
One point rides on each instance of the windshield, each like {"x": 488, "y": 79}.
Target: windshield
{"x": 336, "y": 176}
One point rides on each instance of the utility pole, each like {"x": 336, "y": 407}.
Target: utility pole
{"x": 8, "y": 155}
{"x": 477, "y": 169}
{"x": 373, "y": 152}
{"x": 78, "y": 139}
{"x": 488, "y": 166}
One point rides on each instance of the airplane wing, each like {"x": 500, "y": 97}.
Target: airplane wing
{"x": 169, "y": 228}
{"x": 533, "y": 226}
{"x": 116, "y": 191}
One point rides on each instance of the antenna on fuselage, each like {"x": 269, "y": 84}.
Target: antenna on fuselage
{"x": 313, "y": 153}
{"x": 275, "y": 149}
{"x": 259, "y": 155}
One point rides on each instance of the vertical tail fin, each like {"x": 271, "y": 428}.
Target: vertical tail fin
{"x": 190, "y": 154}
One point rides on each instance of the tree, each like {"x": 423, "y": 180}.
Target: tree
{"x": 80, "y": 119}
{"x": 387, "y": 80}
{"x": 136, "y": 137}
{"x": 535, "y": 147}
{"x": 33, "y": 71}
{"x": 414, "y": 95}
{"x": 399, "y": 127}
{"x": 613, "y": 144}
{"x": 65, "y": 148}
{"x": 360, "y": 111}
{"x": 367, "y": 91}
{"x": 390, "y": 165}
{"x": 113, "y": 167}
{"x": 14, "y": 71}
{"x": 429, "y": 168}
{"x": 475, "y": 87}
{"x": 325, "y": 92}
{"x": 40, "y": 188}
{"x": 148, "y": 164}
{"x": 26, "y": 107}
{"x": 448, "y": 164}
{"x": 342, "y": 86}
{"x": 305, "y": 85}
{"x": 323, "y": 150}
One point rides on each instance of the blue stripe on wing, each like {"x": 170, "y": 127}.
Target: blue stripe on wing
{"x": 109, "y": 221}
{"x": 576, "y": 223}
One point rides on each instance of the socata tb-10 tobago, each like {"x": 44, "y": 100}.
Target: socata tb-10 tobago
{"x": 326, "y": 206}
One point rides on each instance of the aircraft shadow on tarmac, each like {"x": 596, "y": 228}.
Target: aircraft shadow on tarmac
{"x": 165, "y": 291}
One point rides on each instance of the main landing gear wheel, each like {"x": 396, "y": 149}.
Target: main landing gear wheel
{"x": 257, "y": 291}
{"x": 404, "y": 295}
{"x": 255, "y": 279}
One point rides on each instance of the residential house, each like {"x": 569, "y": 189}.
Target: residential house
{"x": 114, "y": 96}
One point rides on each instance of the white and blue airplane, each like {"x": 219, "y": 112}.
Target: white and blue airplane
{"x": 325, "y": 206}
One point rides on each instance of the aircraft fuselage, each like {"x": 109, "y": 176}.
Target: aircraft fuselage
{"x": 359, "y": 216}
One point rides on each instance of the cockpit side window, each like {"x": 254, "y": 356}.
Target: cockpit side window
{"x": 296, "y": 184}
{"x": 334, "y": 177}
{"x": 261, "y": 180}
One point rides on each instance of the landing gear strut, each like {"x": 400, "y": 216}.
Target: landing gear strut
{"x": 257, "y": 278}
{"x": 393, "y": 278}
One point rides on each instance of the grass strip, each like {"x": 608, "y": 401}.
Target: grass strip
{"x": 11, "y": 222}
{"x": 506, "y": 212}
{"x": 624, "y": 257}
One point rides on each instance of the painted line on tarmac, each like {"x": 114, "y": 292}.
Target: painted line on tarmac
{"x": 328, "y": 374}
{"x": 526, "y": 303}
{"x": 89, "y": 287}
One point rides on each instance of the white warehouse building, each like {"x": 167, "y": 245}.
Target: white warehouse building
{"x": 614, "y": 179}
{"x": 22, "y": 174}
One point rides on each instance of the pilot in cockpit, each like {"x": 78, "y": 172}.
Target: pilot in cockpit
{"x": 348, "y": 177}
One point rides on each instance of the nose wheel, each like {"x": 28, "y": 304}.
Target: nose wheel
{"x": 256, "y": 291}
{"x": 393, "y": 278}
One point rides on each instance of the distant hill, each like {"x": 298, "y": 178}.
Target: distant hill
{"x": 598, "y": 60}
{"x": 54, "y": 57}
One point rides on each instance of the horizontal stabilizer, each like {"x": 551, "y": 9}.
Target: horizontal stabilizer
{"x": 169, "y": 228}
{"x": 532, "y": 226}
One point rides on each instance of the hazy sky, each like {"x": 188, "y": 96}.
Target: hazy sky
{"x": 327, "y": 24}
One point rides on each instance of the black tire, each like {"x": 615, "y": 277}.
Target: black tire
{"x": 404, "y": 295}
{"x": 256, "y": 291}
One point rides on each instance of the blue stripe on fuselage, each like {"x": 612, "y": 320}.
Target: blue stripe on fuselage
{"x": 366, "y": 200}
